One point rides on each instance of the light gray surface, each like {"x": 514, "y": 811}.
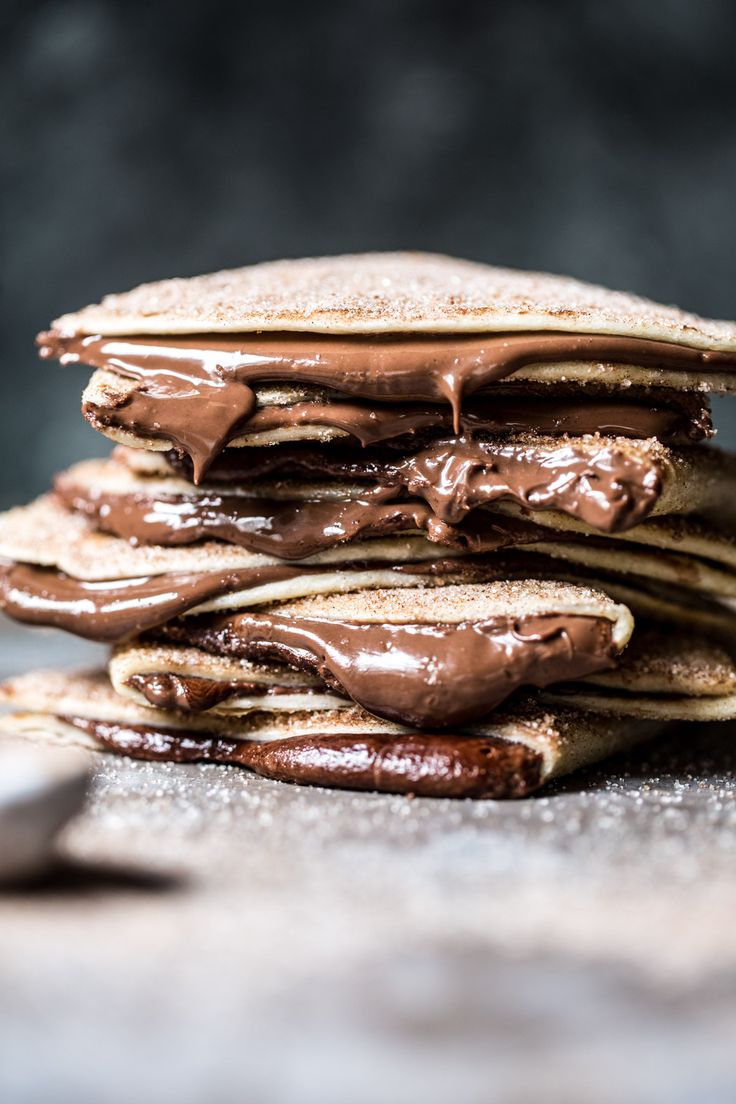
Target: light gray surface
{"x": 41, "y": 790}
{"x": 217, "y": 937}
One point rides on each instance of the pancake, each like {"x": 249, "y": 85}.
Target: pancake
{"x": 611, "y": 484}
{"x": 654, "y": 668}
{"x": 179, "y": 363}
{"x": 687, "y": 535}
{"x": 661, "y": 677}
{"x": 420, "y": 658}
{"x": 46, "y": 533}
{"x": 508, "y": 757}
{"x": 292, "y": 520}
{"x": 389, "y": 293}
{"x": 174, "y": 678}
{"x": 428, "y": 658}
{"x": 686, "y": 556}
{"x": 643, "y": 707}
{"x": 659, "y": 662}
{"x": 288, "y": 414}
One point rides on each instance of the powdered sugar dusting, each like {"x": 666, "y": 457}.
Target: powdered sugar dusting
{"x": 389, "y": 293}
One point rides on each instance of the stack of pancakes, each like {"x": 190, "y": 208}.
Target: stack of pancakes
{"x": 394, "y": 522}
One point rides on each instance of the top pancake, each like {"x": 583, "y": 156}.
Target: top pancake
{"x": 389, "y": 293}
{"x": 565, "y": 739}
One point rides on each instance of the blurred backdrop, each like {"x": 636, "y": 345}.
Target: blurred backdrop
{"x": 142, "y": 140}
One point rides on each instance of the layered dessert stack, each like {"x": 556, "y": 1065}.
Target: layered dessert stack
{"x": 395, "y": 522}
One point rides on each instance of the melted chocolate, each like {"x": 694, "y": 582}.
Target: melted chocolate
{"x": 290, "y": 530}
{"x": 194, "y": 694}
{"x": 608, "y": 490}
{"x": 552, "y": 415}
{"x": 416, "y": 674}
{"x": 423, "y": 764}
{"x": 687, "y": 421}
{"x": 113, "y": 610}
{"x": 197, "y": 391}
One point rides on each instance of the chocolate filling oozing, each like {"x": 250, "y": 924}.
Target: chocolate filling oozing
{"x": 194, "y": 694}
{"x": 289, "y": 530}
{"x": 428, "y": 675}
{"x": 423, "y": 764}
{"x": 113, "y": 610}
{"x": 197, "y": 391}
{"x": 607, "y": 489}
{"x": 671, "y": 417}
{"x": 676, "y": 419}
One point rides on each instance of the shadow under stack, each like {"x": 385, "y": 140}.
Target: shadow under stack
{"x": 393, "y": 522}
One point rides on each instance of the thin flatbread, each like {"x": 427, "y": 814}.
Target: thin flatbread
{"x": 389, "y": 293}
{"x": 657, "y": 667}
{"x": 48, "y": 534}
{"x": 511, "y": 756}
{"x": 609, "y": 483}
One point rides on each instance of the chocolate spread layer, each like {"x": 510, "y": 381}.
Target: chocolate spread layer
{"x": 194, "y": 694}
{"x": 291, "y": 530}
{"x": 114, "y": 610}
{"x": 423, "y": 764}
{"x": 607, "y": 489}
{"x": 375, "y": 423}
{"x": 417, "y": 674}
{"x": 197, "y": 391}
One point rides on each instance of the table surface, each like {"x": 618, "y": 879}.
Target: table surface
{"x": 211, "y": 936}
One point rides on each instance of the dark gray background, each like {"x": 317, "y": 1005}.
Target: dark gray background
{"x": 142, "y": 140}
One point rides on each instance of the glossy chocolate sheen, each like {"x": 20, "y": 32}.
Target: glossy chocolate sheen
{"x": 197, "y": 391}
{"x": 684, "y": 422}
{"x": 428, "y": 675}
{"x": 194, "y": 694}
{"x": 607, "y": 489}
{"x": 113, "y": 610}
{"x": 291, "y": 530}
{"x": 422, "y": 764}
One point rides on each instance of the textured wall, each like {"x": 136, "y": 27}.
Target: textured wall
{"x": 146, "y": 140}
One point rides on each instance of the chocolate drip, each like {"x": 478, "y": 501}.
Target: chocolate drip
{"x": 113, "y": 610}
{"x": 197, "y": 391}
{"x": 290, "y": 530}
{"x": 422, "y": 764}
{"x": 194, "y": 694}
{"x": 416, "y": 674}
{"x": 374, "y": 423}
{"x": 608, "y": 489}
